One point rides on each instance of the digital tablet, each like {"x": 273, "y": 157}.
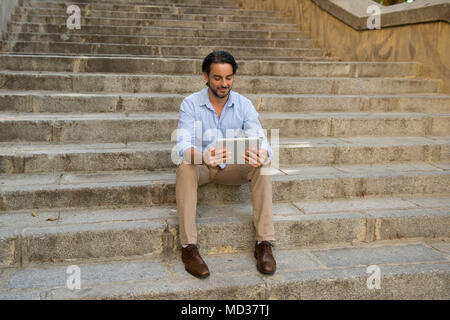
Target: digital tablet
{"x": 237, "y": 146}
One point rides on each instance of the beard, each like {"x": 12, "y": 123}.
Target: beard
{"x": 216, "y": 92}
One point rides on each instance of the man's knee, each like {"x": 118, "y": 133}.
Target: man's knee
{"x": 187, "y": 172}
{"x": 259, "y": 172}
{"x": 185, "y": 168}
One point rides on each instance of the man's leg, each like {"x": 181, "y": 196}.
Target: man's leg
{"x": 261, "y": 187}
{"x": 189, "y": 177}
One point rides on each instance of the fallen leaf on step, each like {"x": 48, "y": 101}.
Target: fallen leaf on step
{"x": 34, "y": 214}
{"x": 51, "y": 219}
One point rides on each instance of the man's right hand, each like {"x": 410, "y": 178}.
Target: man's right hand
{"x": 213, "y": 157}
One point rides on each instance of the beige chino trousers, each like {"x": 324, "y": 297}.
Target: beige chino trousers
{"x": 191, "y": 176}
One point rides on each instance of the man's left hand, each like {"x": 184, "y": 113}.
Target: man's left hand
{"x": 256, "y": 158}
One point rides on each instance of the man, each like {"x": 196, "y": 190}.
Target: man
{"x": 205, "y": 116}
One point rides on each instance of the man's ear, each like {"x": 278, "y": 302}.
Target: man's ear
{"x": 206, "y": 76}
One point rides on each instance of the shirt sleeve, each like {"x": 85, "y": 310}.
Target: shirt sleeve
{"x": 186, "y": 128}
{"x": 252, "y": 126}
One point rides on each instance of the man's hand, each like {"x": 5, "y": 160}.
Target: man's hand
{"x": 213, "y": 157}
{"x": 256, "y": 158}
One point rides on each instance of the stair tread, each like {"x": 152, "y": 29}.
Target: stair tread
{"x": 29, "y": 148}
{"x": 62, "y": 180}
{"x": 184, "y": 59}
{"x": 54, "y": 220}
{"x": 90, "y": 17}
{"x": 249, "y": 95}
{"x": 244, "y": 77}
{"x": 232, "y": 274}
{"x": 373, "y": 188}
{"x": 159, "y": 8}
{"x": 58, "y": 35}
{"x": 153, "y": 45}
{"x": 5, "y": 116}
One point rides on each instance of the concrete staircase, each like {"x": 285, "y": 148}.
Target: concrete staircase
{"x": 86, "y": 176}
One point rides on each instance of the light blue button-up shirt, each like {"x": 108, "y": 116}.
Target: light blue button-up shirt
{"x": 199, "y": 125}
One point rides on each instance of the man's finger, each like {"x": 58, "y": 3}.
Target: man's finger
{"x": 259, "y": 156}
{"x": 250, "y": 161}
{"x": 251, "y": 158}
{"x": 220, "y": 152}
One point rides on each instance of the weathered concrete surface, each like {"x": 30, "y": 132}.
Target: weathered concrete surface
{"x": 142, "y": 65}
{"x": 125, "y": 188}
{"x": 40, "y": 158}
{"x": 214, "y": 15}
{"x": 154, "y": 127}
{"x": 153, "y": 50}
{"x": 149, "y": 31}
{"x": 408, "y": 271}
{"x": 364, "y": 159}
{"x": 185, "y": 84}
{"x": 423, "y": 42}
{"x": 66, "y": 102}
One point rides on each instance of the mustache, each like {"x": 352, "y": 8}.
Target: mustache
{"x": 208, "y": 85}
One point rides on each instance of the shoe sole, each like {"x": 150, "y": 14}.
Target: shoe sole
{"x": 196, "y": 275}
{"x": 264, "y": 272}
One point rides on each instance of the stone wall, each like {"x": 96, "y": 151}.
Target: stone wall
{"x": 427, "y": 42}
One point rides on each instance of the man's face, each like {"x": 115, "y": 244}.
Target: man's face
{"x": 220, "y": 79}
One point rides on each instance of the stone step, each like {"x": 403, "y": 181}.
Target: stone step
{"x": 150, "y": 2}
{"x": 160, "y": 126}
{"x": 152, "y": 232}
{"x": 23, "y": 11}
{"x": 408, "y": 270}
{"x": 191, "y": 24}
{"x": 101, "y": 8}
{"x": 62, "y": 102}
{"x": 176, "y": 3}
{"x": 157, "y": 31}
{"x": 186, "y": 84}
{"x": 157, "y": 6}
{"x": 18, "y": 158}
{"x": 238, "y": 58}
{"x": 136, "y": 188}
{"x": 152, "y": 50}
{"x": 155, "y": 40}
{"x": 118, "y": 5}
{"x": 137, "y": 65}
{"x": 144, "y": 2}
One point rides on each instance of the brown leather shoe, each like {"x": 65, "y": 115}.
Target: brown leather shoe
{"x": 193, "y": 262}
{"x": 265, "y": 263}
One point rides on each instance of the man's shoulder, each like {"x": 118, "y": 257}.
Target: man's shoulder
{"x": 196, "y": 96}
{"x": 240, "y": 99}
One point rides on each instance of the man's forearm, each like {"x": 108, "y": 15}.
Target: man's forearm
{"x": 193, "y": 156}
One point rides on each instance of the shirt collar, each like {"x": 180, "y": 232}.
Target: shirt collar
{"x": 204, "y": 100}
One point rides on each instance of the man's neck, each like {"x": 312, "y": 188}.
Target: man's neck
{"x": 216, "y": 101}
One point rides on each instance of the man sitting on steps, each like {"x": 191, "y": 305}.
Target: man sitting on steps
{"x": 212, "y": 112}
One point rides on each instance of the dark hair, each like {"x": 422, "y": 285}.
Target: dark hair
{"x": 218, "y": 57}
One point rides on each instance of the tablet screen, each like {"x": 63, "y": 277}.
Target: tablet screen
{"x": 237, "y": 146}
